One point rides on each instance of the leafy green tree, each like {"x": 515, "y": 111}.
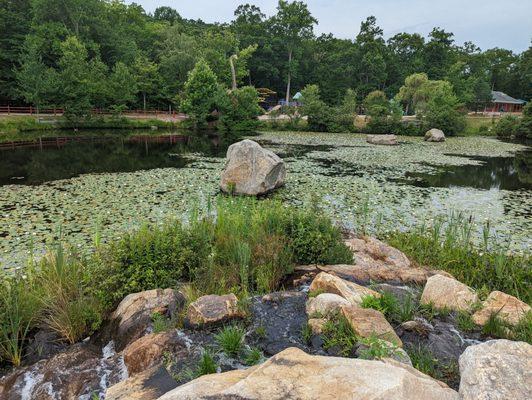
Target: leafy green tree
{"x": 147, "y": 77}
{"x": 36, "y": 81}
{"x": 75, "y": 78}
{"x": 293, "y": 23}
{"x": 345, "y": 114}
{"x": 239, "y": 109}
{"x": 122, "y": 87}
{"x": 199, "y": 95}
{"x": 314, "y": 108}
{"x": 372, "y": 51}
{"x": 443, "y": 109}
{"x": 412, "y": 93}
{"x": 439, "y": 53}
{"x": 167, "y": 14}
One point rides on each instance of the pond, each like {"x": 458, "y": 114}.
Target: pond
{"x": 99, "y": 184}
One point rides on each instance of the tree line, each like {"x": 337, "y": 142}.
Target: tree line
{"x": 82, "y": 54}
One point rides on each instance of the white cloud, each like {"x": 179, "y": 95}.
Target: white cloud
{"x": 487, "y": 23}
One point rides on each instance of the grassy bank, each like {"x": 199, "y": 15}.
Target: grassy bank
{"x": 243, "y": 246}
{"x": 448, "y": 245}
{"x": 22, "y": 128}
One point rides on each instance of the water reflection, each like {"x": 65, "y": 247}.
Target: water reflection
{"x": 48, "y": 159}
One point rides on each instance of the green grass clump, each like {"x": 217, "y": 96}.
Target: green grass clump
{"x": 386, "y": 303}
{"x": 306, "y": 333}
{"x": 160, "y": 323}
{"x": 230, "y": 339}
{"x": 448, "y": 245}
{"x": 253, "y": 356}
{"x": 465, "y": 322}
{"x": 206, "y": 365}
{"x": 429, "y": 312}
{"x": 377, "y": 349}
{"x": 337, "y": 332}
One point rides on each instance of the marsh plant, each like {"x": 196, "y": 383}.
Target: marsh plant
{"x": 448, "y": 244}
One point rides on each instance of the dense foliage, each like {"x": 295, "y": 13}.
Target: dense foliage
{"x": 105, "y": 53}
{"x": 512, "y": 126}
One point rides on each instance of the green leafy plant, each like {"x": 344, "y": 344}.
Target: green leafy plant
{"x": 306, "y": 333}
{"x": 386, "y": 303}
{"x": 337, "y": 332}
{"x": 253, "y": 356}
{"x": 377, "y": 349}
{"x": 230, "y": 339}
{"x": 465, "y": 322}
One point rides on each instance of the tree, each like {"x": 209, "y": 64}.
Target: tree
{"x": 345, "y": 114}
{"x": 167, "y": 14}
{"x": 442, "y": 110}
{"x": 239, "y": 109}
{"x": 35, "y": 81}
{"x": 438, "y": 53}
{"x": 314, "y": 108}
{"x": 122, "y": 87}
{"x": 293, "y": 23}
{"x": 411, "y": 93}
{"x": 372, "y": 51}
{"x": 200, "y": 93}
{"x": 147, "y": 77}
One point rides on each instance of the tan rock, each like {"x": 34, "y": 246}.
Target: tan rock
{"x": 378, "y": 251}
{"x": 496, "y": 370}
{"x": 148, "y": 385}
{"x": 371, "y": 271}
{"x": 212, "y": 309}
{"x": 148, "y": 351}
{"x": 293, "y": 374}
{"x": 434, "y": 135}
{"x": 444, "y": 292}
{"x": 367, "y": 322}
{"x": 132, "y": 318}
{"x": 325, "y": 304}
{"x": 389, "y": 140}
{"x": 506, "y": 307}
{"x": 348, "y": 290}
{"x": 251, "y": 170}
{"x": 317, "y": 325}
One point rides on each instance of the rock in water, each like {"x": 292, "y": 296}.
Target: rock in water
{"x": 293, "y": 374}
{"x": 251, "y": 170}
{"x": 496, "y": 370}
{"x": 389, "y": 140}
{"x": 434, "y": 135}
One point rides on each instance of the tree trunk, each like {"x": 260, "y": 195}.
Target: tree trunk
{"x": 289, "y": 76}
{"x": 233, "y": 71}
{"x": 144, "y": 100}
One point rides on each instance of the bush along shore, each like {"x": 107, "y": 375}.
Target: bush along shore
{"x": 256, "y": 285}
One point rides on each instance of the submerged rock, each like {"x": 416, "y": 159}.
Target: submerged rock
{"x": 448, "y": 293}
{"x": 367, "y": 322}
{"x": 389, "y": 140}
{"x": 353, "y": 293}
{"x": 148, "y": 385}
{"x": 506, "y": 307}
{"x": 251, "y": 170}
{"x": 212, "y": 309}
{"x": 496, "y": 370}
{"x": 293, "y": 374}
{"x": 434, "y": 135}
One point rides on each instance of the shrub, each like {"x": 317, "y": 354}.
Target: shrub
{"x": 386, "y": 303}
{"x": 377, "y": 349}
{"x": 507, "y": 126}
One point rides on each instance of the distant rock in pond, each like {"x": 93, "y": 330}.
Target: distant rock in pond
{"x": 388, "y": 140}
{"x": 434, "y": 135}
{"x": 251, "y": 170}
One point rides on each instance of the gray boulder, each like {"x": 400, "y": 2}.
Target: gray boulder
{"x": 496, "y": 370}
{"x": 434, "y": 135}
{"x": 387, "y": 140}
{"x": 251, "y": 170}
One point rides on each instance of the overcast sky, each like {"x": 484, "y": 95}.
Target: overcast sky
{"x": 488, "y": 23}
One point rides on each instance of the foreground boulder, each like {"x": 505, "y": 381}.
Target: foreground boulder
{"x": 507, "y": 308}
{"x": 251, "y": 170}
{"x": 434, "y": 135}
{"x": 353, "y": 293}
{"x": 149, "y": 385}
{"x": 367, "y": 322}
{"x": 132, "y": 318}
{"x": 388, "y": 140}
{"x": 496, "y": 370}
{"x": 212, "y": 309}
{"x": 293, "y": 374}
{"x": 448, "y": 293}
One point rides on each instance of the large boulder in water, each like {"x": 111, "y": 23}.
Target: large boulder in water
{"x": 251, "y": 170}
{"x": 293, "y": 374}
{"x": 387, "y": 140}
{"x": 434, "y": 135}
{"x": 496, "y": 370}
